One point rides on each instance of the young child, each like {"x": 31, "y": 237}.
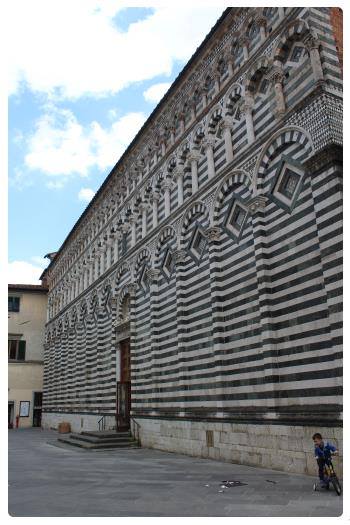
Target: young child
{"x": 322, "y": 453}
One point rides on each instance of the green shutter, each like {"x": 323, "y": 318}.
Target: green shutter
{"x": 21, "y": 350}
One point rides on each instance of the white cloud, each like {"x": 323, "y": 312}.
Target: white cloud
{"x": 22, "y": 272}
{"x": 61, "y": 146}
{"x": 86, "y": 194}
{"x": 40, "y": 261}
{"x": 156, "y": 92}
{"x": 70, "y": 49}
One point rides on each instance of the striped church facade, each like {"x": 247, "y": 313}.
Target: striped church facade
{"x": 212, "y": 252}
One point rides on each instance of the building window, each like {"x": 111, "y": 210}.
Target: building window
{"x": 199, "y": 242}
{"x": 143, "y": 281}
{"x": 296, "y": 54}
{"x": 13, "y": 304}
{"x": 197, "y": 245}
{"x": 16, "y": 350}
{"x": 237, "y": 217}
{"x": 235, "y": 220}
{"x": 168, "y": 264}
{"x": 264, "y": 85}
{"x": 289, "y": 183}
{"x": 124, "y": 243}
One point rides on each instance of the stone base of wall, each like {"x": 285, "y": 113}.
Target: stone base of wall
{"x": 279, "y": 447}
{"x": 78, "y": 422}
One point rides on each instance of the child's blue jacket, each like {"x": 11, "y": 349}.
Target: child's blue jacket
{"x": 325, "y": 452}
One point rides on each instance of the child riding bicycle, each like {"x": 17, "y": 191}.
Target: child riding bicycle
{"x": 323, "y": 453}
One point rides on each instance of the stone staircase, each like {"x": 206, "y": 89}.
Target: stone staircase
{"x": 98, "y": 440}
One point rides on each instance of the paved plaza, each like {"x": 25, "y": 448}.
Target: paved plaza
{"x": 50, "y": 480}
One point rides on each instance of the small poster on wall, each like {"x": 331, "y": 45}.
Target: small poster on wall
{"x": 24, "y": 408}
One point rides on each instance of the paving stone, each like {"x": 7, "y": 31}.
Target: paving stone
{"x": 50, "y": 480}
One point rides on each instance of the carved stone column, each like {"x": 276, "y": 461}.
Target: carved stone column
{"x": 217, "y": 82}
{"x": 102, "y": 261}
{"x": 277, "y": 79}
{"x": 155, "y": 199}
{"x": 132, "y": 221}
{"x": 86, "y": 273}
{"x": 91, "y": 270}
{"x": 312, "y": 44}
{"x": 166, "y": 185}
{"x": 280, "y": 13}
{"x": 96, "y": 261}
{"x": 248, "y": 112}
{"x": 194, "y": 157}
{"x": 261, "y": 22}
{"x": 172, "y": 135}
{"x": 230, "y": 66}
{"x": 182, "y": 123}
{"x": 209, "y": 151}
{"x": 118, "y": 236}
{"x": 109, "y": 245}
{"x": 227, "y": 127}
{"x": 193, "y": 111}
{"x": 143, "y": 208}
{"x": 179, "y": 174}
{"x": 244, "y": 43}
{"x": 163, "y": 148}
{"x": 204, "y": 98}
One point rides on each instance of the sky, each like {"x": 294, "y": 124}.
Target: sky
{"x": 83, "y": 78}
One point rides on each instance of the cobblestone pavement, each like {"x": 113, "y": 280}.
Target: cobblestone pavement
{"x": 50, "y": 480}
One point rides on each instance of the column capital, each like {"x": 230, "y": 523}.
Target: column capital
{"x": 257, "y": 203}
{"x": 213, "y": 233}
{"x": 276, "y": 75}
{"x": 311, "y": 41}
{"x": 209, "y": 142}
{"x": 155, "y": 196}
{"x": 152, "y": 274}
{"x": 194, "y": 155}
{"x": 166, "y": 184}
{"x": 178, "y": 171}
{"x": 243, "y": 40}
{"x": 261, "y": 20}
{"x": 133, "y": 218}
{"x": 143, "y": 206}
{"x": 180, "y": 256}
{"x": 132, "y": 288}
{"x": 227, "y": 123}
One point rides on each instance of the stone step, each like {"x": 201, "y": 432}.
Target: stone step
{"x": 98, "y": 445}
{"x": 94, "y": 439}
{"x": 105, "y": 433}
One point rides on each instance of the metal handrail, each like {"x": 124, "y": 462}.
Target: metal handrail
{"x": 135, "y": 423}
{"x": 102, "y": 423}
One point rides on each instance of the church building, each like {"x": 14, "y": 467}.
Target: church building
{"x": 197, "y": 300}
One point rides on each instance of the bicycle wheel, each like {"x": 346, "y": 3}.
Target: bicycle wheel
{"x": 336, "y": 484}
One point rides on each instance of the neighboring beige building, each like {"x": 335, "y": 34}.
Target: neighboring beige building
{"x": 26, "y": 326}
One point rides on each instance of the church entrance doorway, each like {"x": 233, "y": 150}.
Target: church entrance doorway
{"x": 124, "y": 387}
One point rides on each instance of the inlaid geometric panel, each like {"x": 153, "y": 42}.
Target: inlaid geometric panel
{"x": 235, "y": 219}
{"x": 287, "y": 183}
{"x": 197, "y": 244}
